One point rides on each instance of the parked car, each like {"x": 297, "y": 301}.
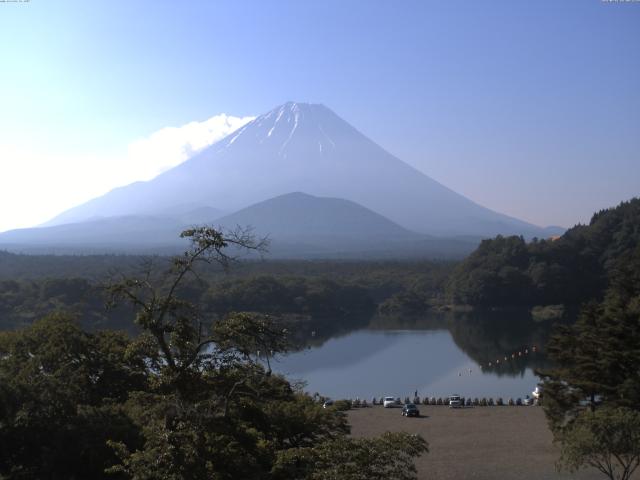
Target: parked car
{"x": 527, "y": 400}
{"x": 389, "y": 402}
{"x": 455, "y": 401}
{"x": 327, "y": 403}
{"x": 410, "y": 410}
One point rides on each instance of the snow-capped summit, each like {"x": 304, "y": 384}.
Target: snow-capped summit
{"x": 288, "y": 126}
{"x": 302, "y": 147}
{"x": 278, "y": 128}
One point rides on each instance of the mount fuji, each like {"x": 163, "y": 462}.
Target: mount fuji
{"x": 299, "y": 147}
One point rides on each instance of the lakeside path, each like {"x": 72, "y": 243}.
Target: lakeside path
{"x": 474, "y": 443}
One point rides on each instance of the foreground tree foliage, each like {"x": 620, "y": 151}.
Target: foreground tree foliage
{"x": 61, "y": 395}
{"x": 187, "y": 398}
{"x": 389, "y": 457}
{"x": 597, "y": 379}
{"x": 607, "y": 439}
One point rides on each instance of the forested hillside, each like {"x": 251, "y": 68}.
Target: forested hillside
{"x": 507, "y": 271}
{"x": 33, "y": 286}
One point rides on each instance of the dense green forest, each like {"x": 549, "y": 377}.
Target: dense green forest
{"x": 348, "y": 292}
{"x": 570, "y": 270}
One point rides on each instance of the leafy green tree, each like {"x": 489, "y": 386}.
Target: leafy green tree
{"x": 607, "y": 439}
{"x": 390, "y": 456}
{"x": 597, "y": 358}
{"x": 592, "y": 396}
{"x": 210, "y": 388}
{"x": 214, "y": 409}
{"x": 176, "y": 335}
{"x": 59, "y": 394}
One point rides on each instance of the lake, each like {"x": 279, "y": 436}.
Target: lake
{"x": 436, "y": 355}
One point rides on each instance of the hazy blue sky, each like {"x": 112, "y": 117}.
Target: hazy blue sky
{"x": 531, "y": 108}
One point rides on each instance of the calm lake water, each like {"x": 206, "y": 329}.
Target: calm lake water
{"x": 435, "y": 356}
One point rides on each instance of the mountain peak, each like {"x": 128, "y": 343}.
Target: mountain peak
{"x": 297, "y": 106}
{"x": 288, "y": 124}
{"x": 305, "y": 147}
{"x": 301, "y": 215}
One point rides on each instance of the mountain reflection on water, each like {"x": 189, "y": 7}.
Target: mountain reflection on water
{"x": 436, "y": 355}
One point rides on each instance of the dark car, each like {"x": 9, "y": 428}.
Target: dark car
{"x": 410, "y": 410}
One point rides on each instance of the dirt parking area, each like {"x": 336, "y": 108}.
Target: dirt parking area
{"x": 474, "y": 443}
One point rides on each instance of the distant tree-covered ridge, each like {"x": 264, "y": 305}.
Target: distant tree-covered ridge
{"x": 33, "y": 286}
{"x": 507, "y": 271}
{"x": 23, "y": 302}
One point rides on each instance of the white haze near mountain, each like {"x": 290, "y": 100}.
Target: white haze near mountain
{"x": 35, "y": 185}
{"x": 171, "y": 146}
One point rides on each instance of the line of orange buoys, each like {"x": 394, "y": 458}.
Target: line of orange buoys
{"x": 513, "y": 356}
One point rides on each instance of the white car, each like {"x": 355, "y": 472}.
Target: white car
{"x": 455, "y": 401}
{"x": 389, "y": 402}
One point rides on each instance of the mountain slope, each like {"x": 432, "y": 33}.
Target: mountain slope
{"x": 298, "y": 226}
{"x": 304, "y": 147}
{"x": 305, "y": 217}
{"x": 128, "y": 233}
